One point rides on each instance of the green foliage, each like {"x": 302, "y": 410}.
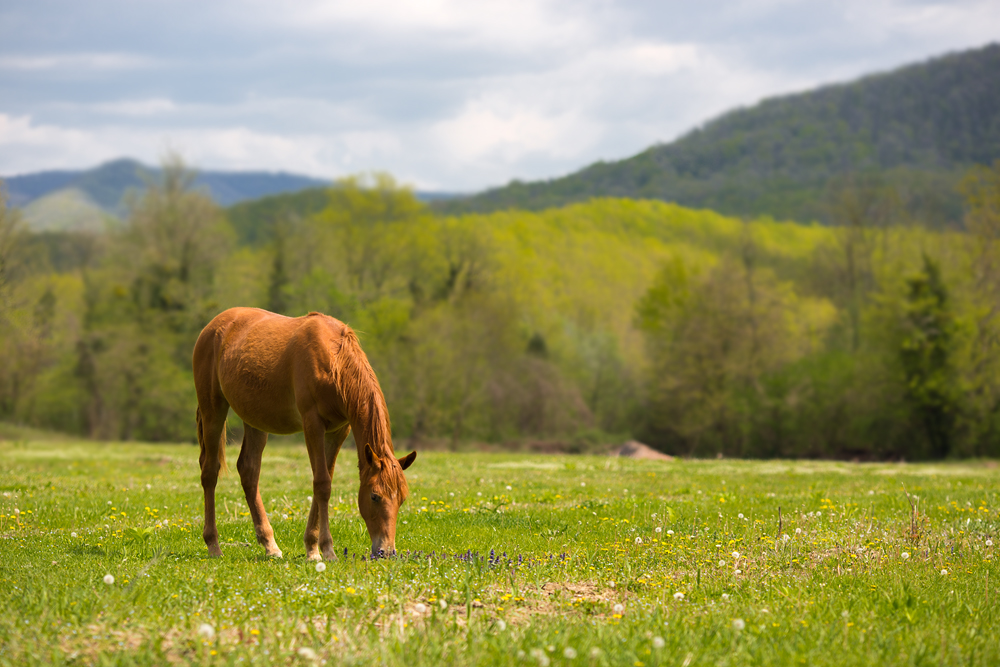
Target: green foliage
{"x": 698, "y": 333}
{"x": 506, "y": 555}
{"x": 920, "y": 127}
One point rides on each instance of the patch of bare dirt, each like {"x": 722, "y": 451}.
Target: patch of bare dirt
{"x": 633, "y": 449}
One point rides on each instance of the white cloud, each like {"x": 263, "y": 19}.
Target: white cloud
{"x": 78, "y": 61}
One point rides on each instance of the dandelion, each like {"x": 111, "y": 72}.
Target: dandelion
{"x": 595, "y": 653}
{"x": 619, "y": 607}
{"x": 737, "y": 571}
{"x": 585, "y": 484}
{"x": 509, "y": 488}
{"x": 309, "y": 499}
{"x": 725, "y": 597}
{"x": 658, "y": 642}
{"x": 739, "y": 624}
{"x": 722, "y": 563}
{"x": 420, "y": 608}
{"x": 944, "y": 573}
{"x": 321, "y": 566}
{"x": 638, "y": 540}
{"x": 611, "y": 584}
{"x": 740, "y": 515}
{"x": 786, "y": 537}
{"x": 442, "y": 604}
{"x": 569, "y": 653}
{"x": 206, "y": 631}
{"x": 819, "y": 514}
{"x": 678, "y": 595}
{"x": 539, "y": 655}
{"x": 736, "y": 555}
{"x": 659, "y": 530}
{"x": 798, "y": 531}
{"x": 17, "y": 512}
{"x": 845, "y": 614}
{"x": 307, "y": 653}
{"x": 670, "y": 532}
{"x": 989, "y": 543}
{"x": 73, "y": 534}
{"x": 109, "y": 579}
{"x": 904, "y": 555}
{"x": 501, "y": 625}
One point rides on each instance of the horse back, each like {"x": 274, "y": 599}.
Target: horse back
{"x": 267, "y": 366}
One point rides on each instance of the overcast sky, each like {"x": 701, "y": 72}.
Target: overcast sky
{"x": 449, "y": 95}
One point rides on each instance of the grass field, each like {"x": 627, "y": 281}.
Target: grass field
{"x": 505, "y": 559}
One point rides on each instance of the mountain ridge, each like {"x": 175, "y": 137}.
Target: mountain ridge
{"x": 919, "y": 127}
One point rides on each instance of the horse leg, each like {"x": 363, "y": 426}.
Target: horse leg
{"x": 315, "y": 433}
{"x": 211, "y": 437}
{"x": 332, "y": 441}
{"x": 248, "y": 465}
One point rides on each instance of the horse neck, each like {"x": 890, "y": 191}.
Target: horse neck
{"x": 370, "y": 424}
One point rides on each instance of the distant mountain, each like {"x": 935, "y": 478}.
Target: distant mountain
{"x": 919, "y": 128}
{"x": 104, "y": 187}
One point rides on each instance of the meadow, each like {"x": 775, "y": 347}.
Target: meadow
{"x": 507, "y": 559}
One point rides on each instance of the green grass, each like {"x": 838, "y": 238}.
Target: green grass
{"x": 837, "y": 593}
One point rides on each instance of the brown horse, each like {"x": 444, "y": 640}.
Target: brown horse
{"x": 284, "y": 375}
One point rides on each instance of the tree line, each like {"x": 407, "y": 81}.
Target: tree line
{"x": 579, "y": 326}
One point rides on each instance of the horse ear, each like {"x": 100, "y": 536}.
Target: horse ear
{"x": 371, "y": 457}
{"x": 407, "y": 460}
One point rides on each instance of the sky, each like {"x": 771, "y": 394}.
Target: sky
{"x": 447, "y": 95}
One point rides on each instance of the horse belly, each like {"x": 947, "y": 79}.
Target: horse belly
{"x": 260, "y": 399}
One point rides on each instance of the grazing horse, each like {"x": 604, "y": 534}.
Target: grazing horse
{"x": 284, "y": 375}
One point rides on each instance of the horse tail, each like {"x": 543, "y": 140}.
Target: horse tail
{"x": 221, "y": 452}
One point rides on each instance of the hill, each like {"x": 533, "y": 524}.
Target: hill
{"x": 917, "y": 128}
{"x": 104, "y": 188}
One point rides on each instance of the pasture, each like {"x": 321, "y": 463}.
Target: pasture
{"x": 506, "y": 559}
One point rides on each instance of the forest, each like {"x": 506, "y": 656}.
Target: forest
{"x": 572, "y": 327}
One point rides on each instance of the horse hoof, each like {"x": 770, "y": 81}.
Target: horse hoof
{"x": 276, "y": 553}
{"x": 214, "y": 553}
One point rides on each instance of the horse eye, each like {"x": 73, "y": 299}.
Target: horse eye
{"x": 376, "y": 498}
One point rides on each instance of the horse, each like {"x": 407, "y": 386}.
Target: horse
{"x": 284, "y": 375}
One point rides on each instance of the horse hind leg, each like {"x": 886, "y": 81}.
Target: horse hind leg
{"x": 248, "y": 466}
{"x": 212, "y": 440}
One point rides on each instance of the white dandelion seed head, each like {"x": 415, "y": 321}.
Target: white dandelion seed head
{"x": 321, "y": 566}
{"x": 740, "y": 515}
{"x": 501, "y": 625}
{"x": 309, "y": 499}
{"x": 658, "y": 642}
{"x": 678, "y": 595}
{"x": 420, "y": 608}
{"x": 17, "y": 512}
{"x": 819, "y": 514}
{"x": 509, "y": 487}
{"x": 638, "y": 540}
{"x": 109, "y": 502}
{"x": 944, "y": 572}
{"x": 611, "y": 584}
{"x": 73, "y": 534}
{"x": 989, "y": 543}
{"x": 722, "y": 563}
{"x": 569, "y": 653}
{"x": 595, "y": 652}
{"x": 738, "y": 624}
{"x": 442, "y": 604}
{"x": 737, "y": 571}
{"x": 845, "y": 614}
{"x": 659, "y": 530}
{"x": 725, "y": 597}
{"x": 904, "y": 555}
{"x": 736, "y": 555}
{"x": 109, "y": 579}
{"x": 786, "y": 537}
{"x": 585, "y": 484}
{"x": 619, "y": 607}
{"x": 798, "y": 531}
{"x": 206, "y": 631}
{"x": 765, "y": 610}
{"x": 670, "y": 532}
{"x": 539, "y": 655}
{"x": 307, "y": 653}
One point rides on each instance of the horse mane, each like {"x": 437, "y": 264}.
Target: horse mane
{"x": 366, "y": 408}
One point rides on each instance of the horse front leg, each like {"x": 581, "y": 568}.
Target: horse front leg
{"x": 318, "y": 525}
{"x": 248, "y": 466}
{"x": 333, "y": 440}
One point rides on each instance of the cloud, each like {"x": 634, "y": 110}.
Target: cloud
{"x": 449, "y": 94}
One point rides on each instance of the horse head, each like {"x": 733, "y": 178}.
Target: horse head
{"x": 383, "y": 489}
